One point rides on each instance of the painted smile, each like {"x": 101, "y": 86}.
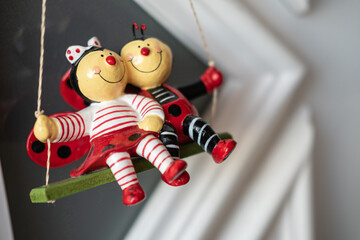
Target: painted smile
{"x": 150, "y": 70}
{"x": 116, "y": 81}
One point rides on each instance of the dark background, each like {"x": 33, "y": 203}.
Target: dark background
{"x": 97, "y": 213}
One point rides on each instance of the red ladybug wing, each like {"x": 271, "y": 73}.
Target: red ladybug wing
{"x": 61, "y": 153}
{"x": 69, "y": 94}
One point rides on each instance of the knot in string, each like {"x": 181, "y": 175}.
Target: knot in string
{"x": 37, "y": 113}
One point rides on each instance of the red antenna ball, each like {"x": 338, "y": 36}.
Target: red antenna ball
{"x": 143, "y": 27}
{"x": 136, "y": 26}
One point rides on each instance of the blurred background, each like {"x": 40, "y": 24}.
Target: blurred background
{"x": 289, "y": 99}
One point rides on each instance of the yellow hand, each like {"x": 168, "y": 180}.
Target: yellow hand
{"x": 45, "y": 128}
{"x": 151, "y": 123}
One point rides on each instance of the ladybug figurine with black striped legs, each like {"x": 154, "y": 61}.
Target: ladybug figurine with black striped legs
{"x": 149, "y": 63}
{"x": 117, "y": 125}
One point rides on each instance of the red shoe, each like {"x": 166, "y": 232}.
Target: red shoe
{"x": 133, "y": 194}
{"x": 222, "y": 150}
{"x": 181, "y": 180}
{"x": 176, "y": 168}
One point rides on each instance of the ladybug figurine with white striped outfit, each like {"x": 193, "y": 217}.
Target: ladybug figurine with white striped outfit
{"x": 149, "y": 63}
{"x": 118, "y": 125}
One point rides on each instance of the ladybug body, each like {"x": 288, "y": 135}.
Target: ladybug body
{"x": 115, "y": 124}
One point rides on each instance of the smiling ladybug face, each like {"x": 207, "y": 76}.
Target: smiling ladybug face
{"x": 101, "y": 75}
{"x": 148, "y": 62}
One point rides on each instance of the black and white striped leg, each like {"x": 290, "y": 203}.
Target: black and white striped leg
{"x": 170, "y": 139}
{"x": 200, "y": 132}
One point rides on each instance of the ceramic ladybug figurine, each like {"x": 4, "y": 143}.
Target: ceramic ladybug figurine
{"x": 118, "y": 124}
{"x": 149, "y": 63}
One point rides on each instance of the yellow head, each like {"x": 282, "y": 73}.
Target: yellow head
{"x": 100, "y": 75}
{"x": 148, "y": 62}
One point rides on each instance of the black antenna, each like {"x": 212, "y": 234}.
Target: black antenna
{"x": 134, "y": 27}
{"x": 143, "y": 28}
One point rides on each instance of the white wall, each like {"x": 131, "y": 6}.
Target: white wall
{"x": 327, "y": 39}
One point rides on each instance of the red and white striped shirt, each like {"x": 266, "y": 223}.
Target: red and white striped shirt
{"x": 105, "y": 117}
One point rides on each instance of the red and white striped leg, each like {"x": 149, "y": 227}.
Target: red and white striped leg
{"x": 121, "y": 166}
{"x": 152, "y": 149}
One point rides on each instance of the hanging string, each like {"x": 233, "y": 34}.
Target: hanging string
{"x": 211, "y": 62}
{"x": 38, "y": 111}
{"x": 48, "y": 163}
{"x": 41, "y": 67}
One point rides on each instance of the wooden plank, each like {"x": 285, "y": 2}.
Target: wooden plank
{"x": 71, "y": 186}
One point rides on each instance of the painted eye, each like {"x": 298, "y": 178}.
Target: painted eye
{"x": 102, "y": 55}
{"x": 139, "y": 46}
{"x": 148, "y": 45}
{"x": 110, "y": 53}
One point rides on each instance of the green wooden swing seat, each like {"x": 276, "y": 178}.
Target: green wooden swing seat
{"x": 71, "y": 186}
